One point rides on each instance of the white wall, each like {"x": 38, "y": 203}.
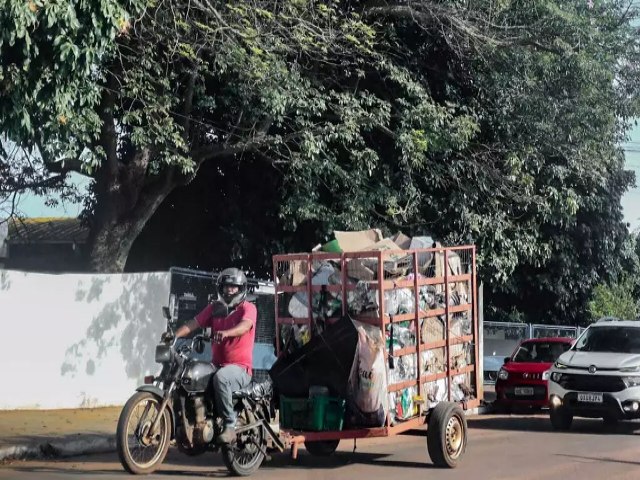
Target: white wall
{"x": 77, "y": 340}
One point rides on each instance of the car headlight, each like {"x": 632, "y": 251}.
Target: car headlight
{"x": 631, "y": 381}
{"x": 503, "y": 374}
{"x": 546, "y": 374}
{"x": 560, "y": 365}
{"x": 631, "y": 369}
{"x": 556, "y": 377}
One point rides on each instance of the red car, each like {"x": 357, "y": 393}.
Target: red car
{"x": 522, "y": 380}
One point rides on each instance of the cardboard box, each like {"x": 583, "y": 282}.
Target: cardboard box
{"x": 359, "y": 269}
{"x": 401, "y": 240}
{"x": 297, "y": 274}
{"x": 356, "y": 241}
{"x": 396, "y": 264}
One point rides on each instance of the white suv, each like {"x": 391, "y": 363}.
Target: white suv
{"x": 599, "y": 377}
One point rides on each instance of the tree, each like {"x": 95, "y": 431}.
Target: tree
{"x": 527, "y": 179}
{"x": 616, "y": 300}
{"x": 495, "y": 123}
{"x": 539, "y": 187}
{"x": 47, "y": 54}
{"x": 187, "y": 83}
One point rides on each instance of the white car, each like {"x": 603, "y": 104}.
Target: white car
{"x": 599, "y": 377}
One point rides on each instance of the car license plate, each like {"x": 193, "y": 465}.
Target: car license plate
{"x": 524, "y": 391}
{"x": 590, "y": 397}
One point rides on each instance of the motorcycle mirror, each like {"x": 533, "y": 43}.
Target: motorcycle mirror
{"x": 199, "y": 346}
{"x": 166, "y": 313}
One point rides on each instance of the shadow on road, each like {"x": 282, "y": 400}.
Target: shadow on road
{"x": 210, "y": 465}
{"x": 599, "y": 459}
{"x": 541, "y": 423}
{"x": 341, "y": 459}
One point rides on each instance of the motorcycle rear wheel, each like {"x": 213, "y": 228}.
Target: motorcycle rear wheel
{"x": 140, "y": 453}
{"x": 244, "y": 458}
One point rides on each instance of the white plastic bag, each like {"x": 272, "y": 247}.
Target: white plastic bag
{"x": 368, "y": 382}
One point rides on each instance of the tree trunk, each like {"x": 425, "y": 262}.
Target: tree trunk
{"x": 110, "y": 245}
{"x": 125, "y": 200}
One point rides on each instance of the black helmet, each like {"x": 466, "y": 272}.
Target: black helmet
{"x": 232, "y": 276}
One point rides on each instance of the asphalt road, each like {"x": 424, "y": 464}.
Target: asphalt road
{"x": 500, "y": 447}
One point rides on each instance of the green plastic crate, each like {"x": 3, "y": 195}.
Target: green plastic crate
{"x": 294, "y": 413}
{"x": 326, "y": 413}
{"x": 316, "y": 414}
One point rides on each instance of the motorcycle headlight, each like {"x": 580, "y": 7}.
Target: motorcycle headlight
{"x": 546, "y": 374}
{"x": 631, "y": 381}
{"x": 503, "y": 374}
{"x": 556, "y": 377}
{"x": 163, "y": 353}
{"x": 560, "y": 365}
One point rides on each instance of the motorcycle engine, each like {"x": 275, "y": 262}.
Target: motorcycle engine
{"x": 203, "y": 432}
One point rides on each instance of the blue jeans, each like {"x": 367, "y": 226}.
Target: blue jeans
{"x": 226, "y": 380}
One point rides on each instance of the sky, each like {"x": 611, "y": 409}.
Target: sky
{"x": 35, "y": 206}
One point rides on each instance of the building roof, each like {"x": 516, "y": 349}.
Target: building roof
{"x": 47, "y": 230}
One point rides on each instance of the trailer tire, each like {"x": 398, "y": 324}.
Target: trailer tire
{"x": 322, "y": 448}
{"x": 446, "y": 435}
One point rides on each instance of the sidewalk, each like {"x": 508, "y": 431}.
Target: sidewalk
{"x": 57, "y": 433}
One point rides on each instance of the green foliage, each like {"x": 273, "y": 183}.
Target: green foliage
{"x": 494, "y": 123}
{"x": 616, "y": 300}
{"x": 49, "y": 51}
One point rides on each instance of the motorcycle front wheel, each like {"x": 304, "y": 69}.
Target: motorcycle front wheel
{"x": 140, "y": 452}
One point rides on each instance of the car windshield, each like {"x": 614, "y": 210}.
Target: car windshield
{"x": 610, "y": 339}
{"x": 540, "y": 352}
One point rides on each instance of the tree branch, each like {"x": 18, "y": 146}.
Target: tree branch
{"x": 188, "y": 105}
{"x": 45, "y": 183}
{"x": 209, "y": 152}
{"x": 108, "y": 136}
{"x": 427, "y": 14}
{"x": 257, "y": 139}
{"x": 60, "y": 166}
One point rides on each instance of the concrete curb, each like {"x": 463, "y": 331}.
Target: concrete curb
{"x": 80, "y": 445}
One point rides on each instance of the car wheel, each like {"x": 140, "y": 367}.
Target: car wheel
{"x": 610, "y": 421}
{"x": 504, "y": 408}
{"x": 560, "y": 419}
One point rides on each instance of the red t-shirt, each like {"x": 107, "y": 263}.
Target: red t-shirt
{"x": 236, "y": 350}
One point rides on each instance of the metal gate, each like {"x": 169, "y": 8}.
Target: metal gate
{"x": 501, "y": 338}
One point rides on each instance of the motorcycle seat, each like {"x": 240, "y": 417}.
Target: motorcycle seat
{"x": 255, "y": 390}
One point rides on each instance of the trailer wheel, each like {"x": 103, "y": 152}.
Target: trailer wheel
{"x": 322, "y": 448}
{"x": 446, "y": 435}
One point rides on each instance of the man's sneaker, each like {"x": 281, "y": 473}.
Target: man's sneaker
{"x": 227, "y": 436}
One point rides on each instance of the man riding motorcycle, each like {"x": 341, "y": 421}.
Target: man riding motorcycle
{"x": 233, "y": 335}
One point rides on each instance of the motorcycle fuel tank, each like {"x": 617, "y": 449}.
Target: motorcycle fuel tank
{"x": 197, "y": 376}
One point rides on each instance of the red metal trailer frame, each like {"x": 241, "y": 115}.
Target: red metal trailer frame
{"x": 445, "y": 280}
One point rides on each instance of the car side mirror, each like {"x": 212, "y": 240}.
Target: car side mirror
{"x": 166, "y": 313}
{"x": 507, "y": 359}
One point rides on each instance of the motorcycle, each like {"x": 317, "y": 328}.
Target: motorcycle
{"x": 178, "y": 406}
